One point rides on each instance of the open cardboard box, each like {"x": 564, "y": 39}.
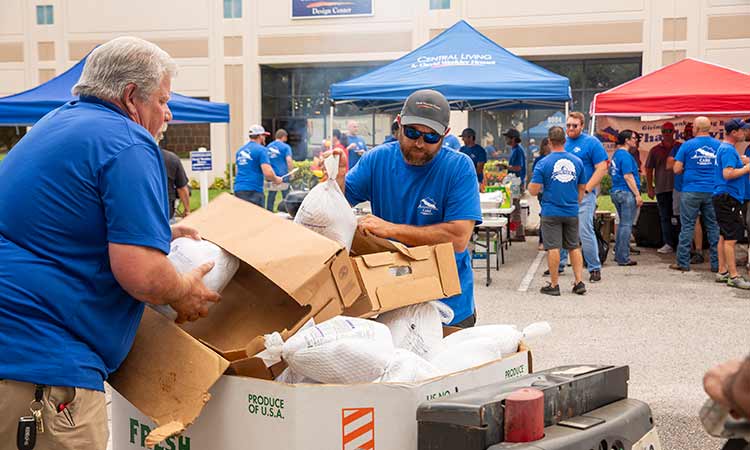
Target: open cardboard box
{"x": 287, "y": 275}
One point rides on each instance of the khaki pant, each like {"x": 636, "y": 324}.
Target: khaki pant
{"x": 83, "y": 427}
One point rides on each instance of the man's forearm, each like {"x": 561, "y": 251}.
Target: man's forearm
{"x": 649, "y": 177}
{"x": 630, "y": 180}
{"x": 184, "y": 194}
{"x": 146, "y": 274}
{"x": 457, "y": 234}
{"x": 596, "y": 178}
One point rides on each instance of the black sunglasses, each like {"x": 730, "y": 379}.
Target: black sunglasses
{"x": 429, "y": 138}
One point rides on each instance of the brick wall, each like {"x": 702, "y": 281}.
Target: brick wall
{"x": 182, "y": 139}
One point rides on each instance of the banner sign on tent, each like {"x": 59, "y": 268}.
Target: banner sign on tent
{"x": 312, "y": 9}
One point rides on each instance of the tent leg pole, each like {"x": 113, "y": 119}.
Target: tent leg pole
{"x": 567, "y": 109}
{"x": 592, "y": 129}
{"x": 330, "y": 125}
{"x": 229, "y": 161}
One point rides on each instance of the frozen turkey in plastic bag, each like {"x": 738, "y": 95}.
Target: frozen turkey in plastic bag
{"x": 289, "y": 376}
{"x": 407, "y": 367}
{"x": 186, "y": 254}
{"x": 507, "y": 337}
{"x": 343, "y": 350}
{"x": 465, "y": 355}
{"x": 326, "y": 211}
{"x": 417, "y": 328}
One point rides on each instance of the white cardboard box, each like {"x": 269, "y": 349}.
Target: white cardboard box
{"x": 248, "y": 413}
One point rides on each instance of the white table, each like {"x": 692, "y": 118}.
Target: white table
{"x": 489, "y": 226}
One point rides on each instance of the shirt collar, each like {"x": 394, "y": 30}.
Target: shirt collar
{"x": 106, "y": 104}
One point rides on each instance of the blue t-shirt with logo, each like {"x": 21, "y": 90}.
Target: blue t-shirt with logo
{"x": 83, "y": 177}
{"x": 443, "y": 190}
{"x": 277, "y": 153}
{"x": 452, "y": 142}
{"x": 477, "y": 154}
{"x": 359, "y": 146}
{"x": 518, "y": 158}
{"x": 677, "y": 177}
{"x": 589, "y": 150}
{"x": 249, "y": 173}
{"x": 560, "y": 174}
{"x": 622, "y": 164}
{"x": 698, "y": 156}
{"x": 726, "y": 157}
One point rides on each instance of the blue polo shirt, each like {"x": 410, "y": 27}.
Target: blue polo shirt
{"x": 589, "y": 150}
{"x": 443, "y": 190}
{"x": 518, "y": 158}
{"x": 360, "y": 146}
{"x": 622, "y": 164}
{"x": 726, "y": 157}
{"x": 560, "y": 174}
{"x": 452, "y": 142}
{"x": 477, "y": 155}
{"x": 83, "y": 177}
{"x": 249, "y": 173}
{"x": 277, "y": 154}
{"x": 698, "y": 156}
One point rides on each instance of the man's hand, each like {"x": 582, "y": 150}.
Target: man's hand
{"x": 638, "y": 200}
{"x": 194, "y": 301}
{"x": 278, "y": 180}
{"x": 377, "y": 226}
{"x": 651, "y": 192}
{"x": 179, "y": 231}
{"x": 715, "y": 379}
{"x": 745, "y": 159}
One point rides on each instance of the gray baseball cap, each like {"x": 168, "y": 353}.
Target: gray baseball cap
{"x": 427, "y": 107}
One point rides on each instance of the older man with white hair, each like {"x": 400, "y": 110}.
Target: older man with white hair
{"x": 84, "y": 235}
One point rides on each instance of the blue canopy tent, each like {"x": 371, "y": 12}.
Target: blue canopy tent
{"x": 541, "y": 129}
{"x": 471, "y": 70}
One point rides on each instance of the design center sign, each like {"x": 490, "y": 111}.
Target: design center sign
{"x": 312, "y": 9}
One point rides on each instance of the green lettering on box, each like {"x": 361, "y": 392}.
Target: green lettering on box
{"x": 133, "y": 430}
{"x": 145, "y": 430}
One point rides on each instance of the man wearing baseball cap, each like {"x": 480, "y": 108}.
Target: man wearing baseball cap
{"x": 421, "y": 193}
{"x": 253, "y": 166}
{"x": 517, "y": 161}
{"x": 476, "y": 152}
{"x": 660, "y": 184}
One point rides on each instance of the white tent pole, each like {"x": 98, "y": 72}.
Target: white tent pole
{"x": 567, "y": 109}
{"x": 229, "y": 160}
{"x": 593, "y": 125}
{"x": 330, "y": 125}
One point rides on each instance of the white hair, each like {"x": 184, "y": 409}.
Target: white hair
{"x": 122, "y": 61}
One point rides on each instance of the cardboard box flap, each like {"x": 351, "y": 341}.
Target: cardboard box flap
{"x": 167, "y": 375}
{"x": 366, "y": 243}
{"x": 269, "y": 243}
{"x": 379, "y": 259}
{"x": 448, "y": 269}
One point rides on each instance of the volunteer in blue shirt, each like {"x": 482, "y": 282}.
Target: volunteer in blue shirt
{"x": 452, "y": 142}
{"x": 357, "y": 146}
{"x": 560, "y": 176}
{"x": 474, "y": 151}
{"x": 84, "y": 233}
{"x": 254, "y": 166}
{"x": 280, "y": 155}
{"x": 421, "y": 193}
{"x": 730, "y": 174}
{"x": 517, "y": 161}
{"x": 695, "y": 161}
{"x": 393, "y": 137}
{"x": 594, "y": 158}
{"x": 625, "y": 193}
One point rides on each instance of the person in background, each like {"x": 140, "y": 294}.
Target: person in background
{"x": 746, "y": 205}
{"x": 594, "y": 157}
{"x": 357, "y": 146}
{"x": 625, "y": 193}
{"x": 730, "y": 172}
{"x": 421, "y": 193}
{"x": 560, "y": 176}
{"x": 660, "y": 184}
{"x": 474, "y": 151}
{"x": 517, "y": 161}
{"x": 533, "y": 148}
{"x": 696, "y": 256}
{"x": 177, "y": 180}
{"x": 543, "y": 151}
{"x": 452, "y": 142}
{"x": 280, "y": 155}
{"x": 253, "y": 166}
{"x": 84, "y": 239}
{"x": 489, "y": 146}
{"x": 728, "y": 384}
{"x": 394, "y": 133}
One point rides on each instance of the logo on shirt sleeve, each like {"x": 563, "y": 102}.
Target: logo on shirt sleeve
{"x": 564, "y": 171}
{"x": 427, "y": 207}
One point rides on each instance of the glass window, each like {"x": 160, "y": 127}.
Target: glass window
{"x": 45, "y": 15}
{"x": 232, "y": 9}
{"x": 440, "y": 4}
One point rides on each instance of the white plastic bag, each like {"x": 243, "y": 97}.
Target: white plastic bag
{"x": 507, "y": 337}
{"x": 407, "y": 367}
{"x": 186, "y": 254}
{"x": 326, "y": 211}
{"x": 417, "y": 328}
{"x": 289, "y": 376}
{"x": 342, "y": 350}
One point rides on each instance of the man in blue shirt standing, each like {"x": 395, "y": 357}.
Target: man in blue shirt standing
{"x": 280, "y": 155}
{"x": 474, "y": 151}
{"x": 517, "y": 161}
{"x": 253, "y": 166}
{"x": 357, "y": 146}
{"x": 452, "y": 142}
{"x": 625, "y": 193}
{"x": 730, "y": 173}
{"x": 393, "y": 137}
{"x": 84, "y": 233}
{"x": 421, "y": 193}
{"x": 560, "y": 176}
{"x": 594, "y": 158}
{"x": 695, "y": 161}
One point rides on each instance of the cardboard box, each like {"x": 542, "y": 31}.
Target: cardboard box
{"x": 287, "y": 275}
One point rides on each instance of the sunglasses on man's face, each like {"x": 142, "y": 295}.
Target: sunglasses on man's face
{"x": 667, "y": 131}
{"x": 414, "y": 134}
{"x": 572, "y": 125}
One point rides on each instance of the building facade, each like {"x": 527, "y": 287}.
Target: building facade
{"x": 275, "y": 69}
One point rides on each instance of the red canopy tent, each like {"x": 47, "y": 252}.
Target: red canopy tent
{"x": 687, "y": 87}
